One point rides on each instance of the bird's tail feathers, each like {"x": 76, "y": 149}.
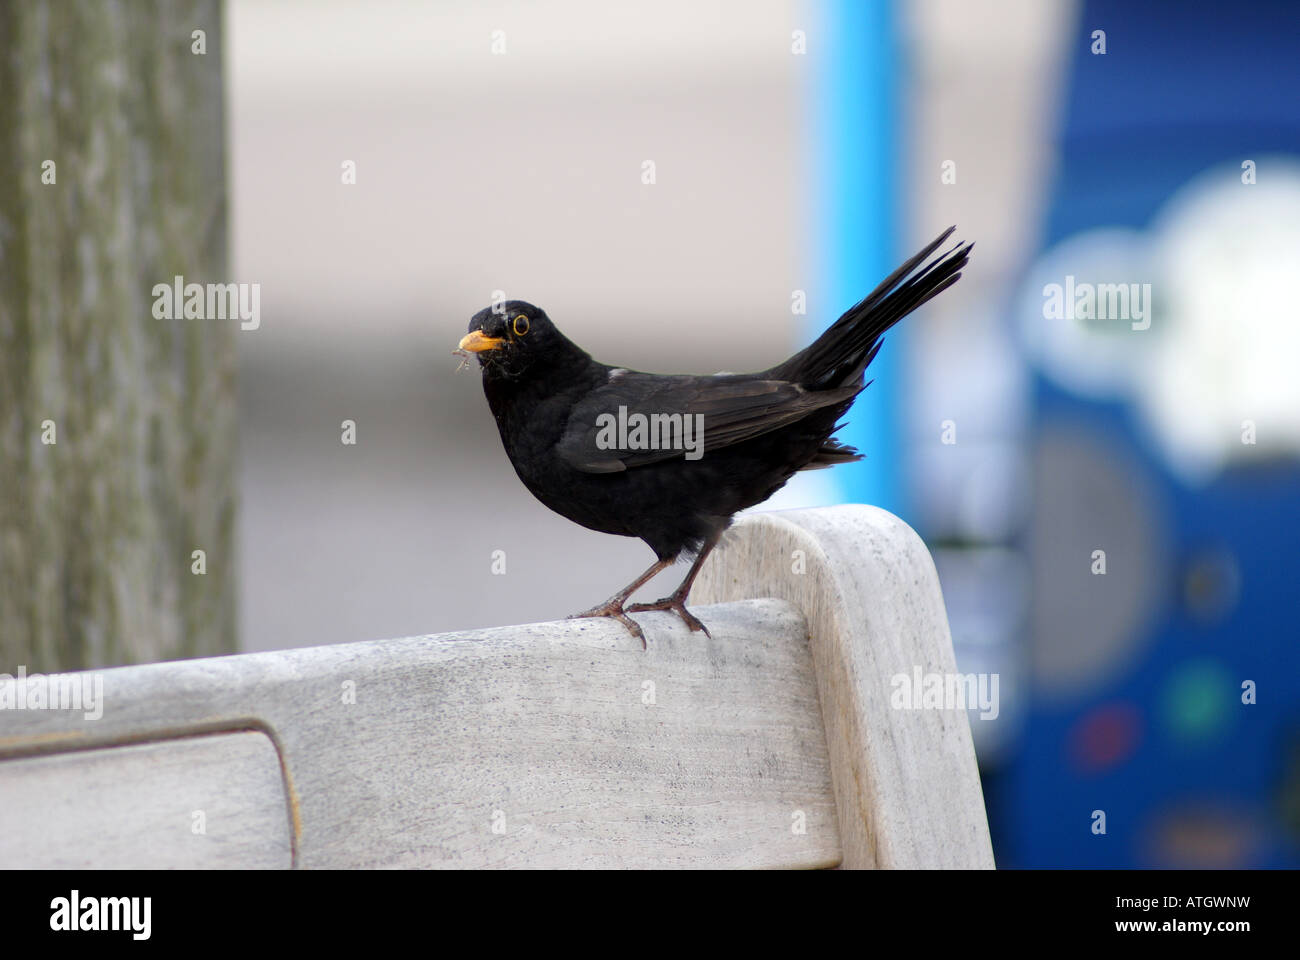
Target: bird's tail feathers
{"x": 840, "y": 355}
{"x": 832, "y": 452}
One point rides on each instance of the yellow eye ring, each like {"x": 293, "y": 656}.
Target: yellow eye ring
{"x": 521, "y": 325}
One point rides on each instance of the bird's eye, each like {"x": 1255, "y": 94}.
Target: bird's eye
{"x": 521, "y": 325}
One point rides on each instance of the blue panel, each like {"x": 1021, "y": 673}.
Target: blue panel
{"x": 1182, "y": 87}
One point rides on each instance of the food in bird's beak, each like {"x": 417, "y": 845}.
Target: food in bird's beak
{"x": 477, "y": 342}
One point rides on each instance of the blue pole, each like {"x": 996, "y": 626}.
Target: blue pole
{"x": 857, "y": 185}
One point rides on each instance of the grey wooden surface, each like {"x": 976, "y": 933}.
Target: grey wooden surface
{"x": 554, "y": 744}
{"x": 197, "y": 802}
{"x": 907, "y": 787}
{"x": 543, "y": 731}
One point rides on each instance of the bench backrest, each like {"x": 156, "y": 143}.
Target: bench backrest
{"x": 544, "y": 745}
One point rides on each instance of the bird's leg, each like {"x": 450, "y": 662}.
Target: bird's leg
{"x": 676, "y": 601}
{"x": 613, "y": 607}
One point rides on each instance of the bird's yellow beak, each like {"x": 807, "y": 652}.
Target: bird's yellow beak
{"x": 476, "y": 342}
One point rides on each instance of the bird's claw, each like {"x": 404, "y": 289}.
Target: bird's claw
{"x": 614, "y": 610}
{"x": 678, "y": 606}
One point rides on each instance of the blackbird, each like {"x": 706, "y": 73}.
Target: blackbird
{"x": 671, "y": 459}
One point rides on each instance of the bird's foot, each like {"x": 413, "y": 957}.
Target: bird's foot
{"x": 677, "y": 605}
{"x": 613, "y": 607}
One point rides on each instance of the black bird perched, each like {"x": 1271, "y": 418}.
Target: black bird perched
{"x": 671, "y": 459}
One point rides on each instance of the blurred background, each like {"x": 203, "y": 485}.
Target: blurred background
{"x": 1112, "y": 496}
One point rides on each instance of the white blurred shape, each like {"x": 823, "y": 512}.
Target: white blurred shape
{"x": 1224, "y": 340}
{"x": 1228, "y": 252}
{"x": 1092, "y": 358}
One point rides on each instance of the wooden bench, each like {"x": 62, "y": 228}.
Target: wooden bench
{"x": 773, "y": 744}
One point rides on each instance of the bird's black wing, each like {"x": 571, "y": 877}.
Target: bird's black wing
{"x": 733, "y": 408}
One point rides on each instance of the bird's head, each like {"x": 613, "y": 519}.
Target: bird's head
{"x": 511, "y": 337}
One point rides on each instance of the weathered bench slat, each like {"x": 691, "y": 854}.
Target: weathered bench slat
{"x": 579, "y": 747}
{"x": 198, "y": 802}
